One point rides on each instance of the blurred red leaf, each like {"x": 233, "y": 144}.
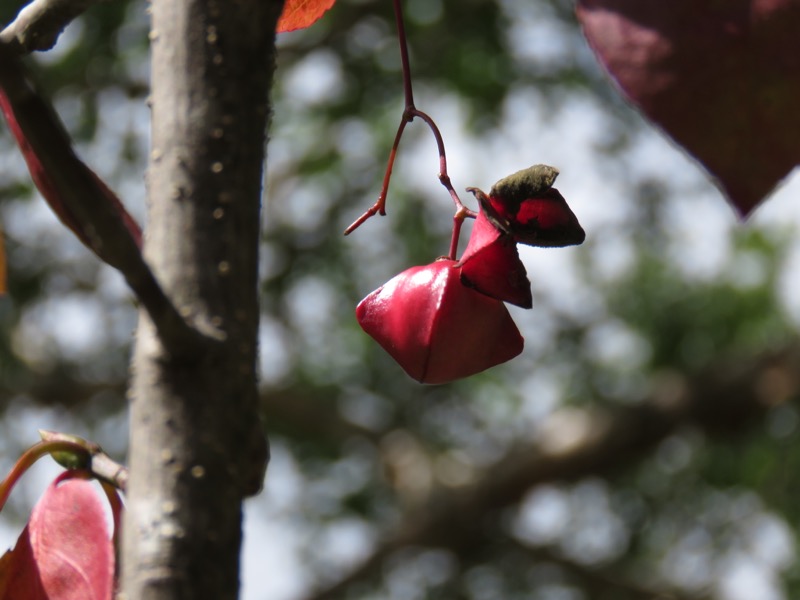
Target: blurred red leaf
{"x": 64, "y": 553}
{"x": 298, "y": 14}
{"x": 20, "y": 573}
{"x": 8, "y": 569}
{"x": 721, "y": 78}
{"x": 50, "y": 192}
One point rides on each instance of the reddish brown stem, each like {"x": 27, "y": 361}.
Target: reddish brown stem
{"x": 380, "y": 205}
{"x": 112, "y": 495}
{"x": 30, "y": 456}
{"x": 444, "y": 178}
{"x": 454, "y": 238}
{"x": 401, "y": 36}
{"x": 411, "y": 112}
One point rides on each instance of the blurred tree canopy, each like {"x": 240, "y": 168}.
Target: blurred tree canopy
{"x": 645, "y": 443}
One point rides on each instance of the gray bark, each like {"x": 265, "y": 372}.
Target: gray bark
{"x": 197, "y": 447}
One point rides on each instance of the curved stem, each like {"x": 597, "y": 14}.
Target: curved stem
{"x": 31, "y": 455}
{"x": 401, "y": 36}
{"x": 112, "y": 495}
{"x": 410, "y": 112}
{"x": 444, "y": 178}
{"x": 457, "y": 223}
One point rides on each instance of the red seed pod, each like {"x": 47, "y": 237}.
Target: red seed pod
{"x": 436, "y": 328}
{"x": 527, "y": 207}
{"x": 491, "y": 265}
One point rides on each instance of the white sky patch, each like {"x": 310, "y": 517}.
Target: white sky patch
{"x": 540, "y": 394}
{"x": 316, "y": 78}
{"x": 744, "y": 579}
{"x": 270, "y": 570}
{"x": 700, "y": 233}
{"x": 788, "y": 285}
{"x": 274, "y": 351}
{"x": 70, "y": 323}
{"x": 613, "y": 343}
{"x": 543, "y": 516}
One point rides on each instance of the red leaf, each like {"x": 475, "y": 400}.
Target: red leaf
{"x": 298, "y": 14}
{"x": 491, "y": 265}
{"x": 22, "y": 579}
{"x": 721, "y": 78}
{"x": 65, "y": 552}
{"x": 49, "y": 190}
{"x": 437, "y": 329}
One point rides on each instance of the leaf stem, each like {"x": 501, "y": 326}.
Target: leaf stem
{"x": 112, "y": 495}
{"x": 30, "y": 456}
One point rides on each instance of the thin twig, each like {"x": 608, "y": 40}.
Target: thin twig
{"x": 75, "y": 452}
{"x": 444, "y": 178}
{"x": 380, "y": 205}
{"x": 88, "y": 203}
{"x": 410, "y": 112}
{"x": 402, "y": 39}
{"x": 39, "y": 24}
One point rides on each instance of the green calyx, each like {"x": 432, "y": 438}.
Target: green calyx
{"x": 525, "y": 184}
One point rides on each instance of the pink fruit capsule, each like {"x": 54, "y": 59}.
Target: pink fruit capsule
{"x": 435, "y": 327}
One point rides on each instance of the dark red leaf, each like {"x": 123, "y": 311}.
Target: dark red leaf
{"x": 21, "y": 579}
{"x": 491, "y": 265}
{"x": 7, "y": 569}
{"x": 721, "y": 77}
{"x": 298, "y": 14}
{"x": 49, "y": 190}
{"x": 437, "y": 329}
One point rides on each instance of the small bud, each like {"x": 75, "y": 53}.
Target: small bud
{"x": 77, "y": 458}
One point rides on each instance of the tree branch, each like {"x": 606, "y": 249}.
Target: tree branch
{"x": 724, "y": 399}
{"x": 39, "y": 24}
{"x": 599, "y": 582}
{"x": 87, "y": 206}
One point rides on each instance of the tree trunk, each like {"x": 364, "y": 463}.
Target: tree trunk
{"x": 197, "y": 447}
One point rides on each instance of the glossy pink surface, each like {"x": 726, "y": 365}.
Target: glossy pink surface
{"x": 435, "y": 327}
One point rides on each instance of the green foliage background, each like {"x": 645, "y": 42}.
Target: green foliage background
{"x": 357, "y": 444}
